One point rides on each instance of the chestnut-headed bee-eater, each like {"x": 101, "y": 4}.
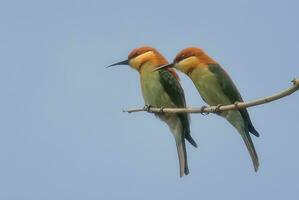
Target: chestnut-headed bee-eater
{"x": 216, "y": 88}
{"x": 162, "y": 89}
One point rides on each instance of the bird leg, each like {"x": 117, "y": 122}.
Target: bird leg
{"x": 217, "y": 108}
{"x": 236, "y": 105}
{"x": 147, "y": 108}
{"x": 201, "y": 110}
{"x": 161, "y": 109}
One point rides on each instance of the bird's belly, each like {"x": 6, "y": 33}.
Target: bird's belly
{"x": 212, "y": 93}
{"x": 154, "y": 93}
{"x": 210, "y": 90}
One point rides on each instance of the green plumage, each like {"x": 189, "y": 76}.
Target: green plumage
{"x": 162, "y": 89}
{"x": 232, "y": 93}
{"x": 175, "y": 91}
{"x": 216, "y": 88}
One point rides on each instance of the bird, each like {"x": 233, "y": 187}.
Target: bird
{"x": 162, "y": 89}
{"x": 216, "y": 88}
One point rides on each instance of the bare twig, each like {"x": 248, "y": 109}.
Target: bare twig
{"x": 221, "y": 108}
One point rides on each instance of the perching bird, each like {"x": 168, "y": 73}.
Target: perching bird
{"x": 162, "y": 89}
{"x": 216, "y": 88}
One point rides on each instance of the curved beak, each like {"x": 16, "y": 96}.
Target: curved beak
{"x": 170, "y": 65}
{"x": 125, "y": 62}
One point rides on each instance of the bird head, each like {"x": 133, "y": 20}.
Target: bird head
{"x": 139, "y": 56}
{"x": 189, "y": 59}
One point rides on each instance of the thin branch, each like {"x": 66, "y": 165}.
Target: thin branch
{"x": 221, "y": 108}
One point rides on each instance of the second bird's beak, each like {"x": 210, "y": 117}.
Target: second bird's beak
{"x": 125, "y": 62}
{"x": 170, "y": 65}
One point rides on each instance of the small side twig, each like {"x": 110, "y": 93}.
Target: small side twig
{"x": 216, "y": 109}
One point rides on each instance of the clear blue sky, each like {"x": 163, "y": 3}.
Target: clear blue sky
{"x": 63, "y": 134}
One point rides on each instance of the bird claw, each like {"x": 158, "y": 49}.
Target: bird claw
{"x": 161, "y": 109}
{"x": 147, "y": 108}
{"x": 217, "y": 108}
{"x": 201, "y": 110}
{"x": 236, "y": 105}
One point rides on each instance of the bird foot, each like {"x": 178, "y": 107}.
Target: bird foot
{"x": 201, "y": 110}
{"x": 217, "y": 108}
{"x": 147, "y": 108}
{"x": 161, "y": 109}
{"x": 236, "y": 105}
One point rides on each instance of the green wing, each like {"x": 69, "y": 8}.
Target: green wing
{"x": 176, "y": 93}
{"x": 173, "y": 88}
{"x": 226, "y": 83}
{"x": 232, "y": 93}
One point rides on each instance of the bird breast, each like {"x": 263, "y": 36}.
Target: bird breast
{"x": 153, "y": 91}
{"x": 208, "y": 86}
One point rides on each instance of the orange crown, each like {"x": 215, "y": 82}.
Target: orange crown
{"x": 197, "y": 52}
{"x": 161, "y": 60}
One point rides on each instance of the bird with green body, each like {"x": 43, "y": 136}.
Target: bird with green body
{"x": 216, "y": 88}
{"x": 162, "y": 89}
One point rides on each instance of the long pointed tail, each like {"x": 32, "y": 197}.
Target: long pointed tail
{"x": 182, "y": 154}
{"x": 249, "y": 144}
{"x": 238, "y": 122}
{"x": 178, "y": 132}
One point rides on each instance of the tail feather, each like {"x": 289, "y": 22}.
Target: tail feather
{"x": 246, "y": 117}
{"x": 252, "y": 130}
{"x": 249, "y": 144}
{"x": 182, "y": 154}
{"x": 238, "y": 122}
{"x": 179, "y": 134}
{"x": 190, "y": 140}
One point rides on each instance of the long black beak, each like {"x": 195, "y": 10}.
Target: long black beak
{"x": 170, "y": 65}
{"x": 125, "y": 62}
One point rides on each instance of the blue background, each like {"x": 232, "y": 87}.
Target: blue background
{"x": 63, "y": 134}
